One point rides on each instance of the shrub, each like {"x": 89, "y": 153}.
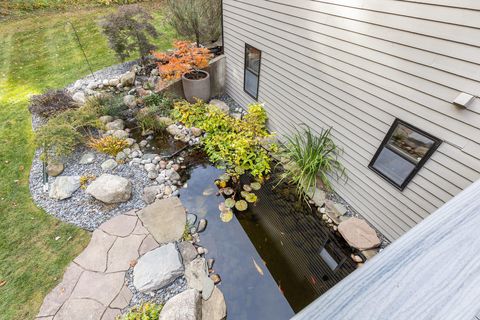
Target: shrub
{"x": 111, "y": 105}
{"x": 198, "y": 20}
{"x": 146, "y": 311}
{"x": 310, "y": 156}
{"x": 129, "y": 30}
{"x": 185, "y": 58}
{"x": 156, "y": 106}
{"x": 109, "y": 144}
{"x": 62, "y": 133}
{"x": 51, "y": 103}
{"x": 231, "y": 143}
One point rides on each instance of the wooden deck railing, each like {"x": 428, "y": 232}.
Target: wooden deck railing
{"x": 431, "y": 272}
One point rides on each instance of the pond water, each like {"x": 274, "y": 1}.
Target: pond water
{"x": 276, "y": 257}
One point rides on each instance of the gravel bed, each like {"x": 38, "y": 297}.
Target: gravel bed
{"x": 111, "y": 72}
{"x": 159, "y": 296}
{"x": 82, "y": 209}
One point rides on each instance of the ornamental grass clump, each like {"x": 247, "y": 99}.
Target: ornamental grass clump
{"x": 233, "y": 144}
{"x": 311, "y": 156}
{"x": 51, "y": 103}
{"x": 109, "y": 144}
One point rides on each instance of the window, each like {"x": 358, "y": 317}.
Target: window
{"x": 252, "y": 71}
{"x": 402, "y": 153}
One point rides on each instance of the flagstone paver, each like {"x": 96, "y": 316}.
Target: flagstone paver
{"x": 99, "y": 286}
{"x": 148, "y": 244}
{"x": 123, "y": 251}
{"x": 120, "y": 226}
{"x": 94, "y": 257}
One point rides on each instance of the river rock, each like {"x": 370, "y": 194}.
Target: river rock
{"x": 105, "y": 119}
{"x": 202, "y": 224}
{"x": 149, "y": 193}
{"x": 220, "y": 104}
{"x": 359, "y": 234}
{"x": 157, "y": 268}
{"x": 165, "y": 219}
{"x": 120, "y": 134}
{"x": 184, "y": 306}
{"x": 55, "y": 169}
{"x": 109, "y": 164}
{"x": 195, "y": 273}
{"x": 63, "y": 187}
{"x": 128, "y": 79}
{"x": 115, "y": 125}
{"x": 87, "y": 158}
{"x": 79, "y": 97}
{"x": 130, "y": 101}
{"x": 214, "y": 308}
{"x": 110, "y": 188}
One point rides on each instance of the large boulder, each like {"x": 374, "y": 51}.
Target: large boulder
{"x": 184, "y": 306}
{"x": 109, "y": 188}
{"x": 63, "y": 187}
{"x": 214, "y": 308}
{"x": 157, "y": 268}
{"x": 164, "y": 219}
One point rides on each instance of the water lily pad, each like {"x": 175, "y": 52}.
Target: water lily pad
{"x": 227, "y": 191}
{"x": 241, "y": 205}
{"x": 247, "y": 187}
{"x": 239, "y": 170}
{"x": 244, "y": 193}
{"x": 224, "y": 177}
{"x": 255, "y": 185}
{"x": 251, "y": 197}
{"x": 226, "y": 215}
{"x": 229, "y": 203}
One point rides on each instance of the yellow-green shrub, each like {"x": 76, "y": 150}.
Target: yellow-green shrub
{"x": 229, "y": 142}
{"x": 109, "y": 144}
{"x": 146, "y": 311}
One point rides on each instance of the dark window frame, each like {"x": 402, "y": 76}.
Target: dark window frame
{"x": 418, "y": 165}
{"x": 245, "y": 68}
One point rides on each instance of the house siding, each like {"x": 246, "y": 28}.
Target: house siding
{"x": 355, "y": 66}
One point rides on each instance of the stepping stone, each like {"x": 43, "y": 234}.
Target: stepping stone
{"x": 64, "y": 187}
{"x": 214, "y": 308}
{"x": 80, "y": 309}
{"x": 359, "y": 234}
{"x": 148, "y": 244}
{"x": 87, "y": 158}
{"x": 101, "y": 287}
{"x": 197, "y": 276}
{"x": 122, "y": 252}
{"x": 164, "y": 219}
{"x": 157, "y": 268}
{"x": 120, "y": 226}
{"x": 57, "y": 297}
{"x": 110, "y": 188}
{"x": 123, "y": 298}
{"x": 140, "y": 229}
{"x": 94, "y": 257}
{"x": 111, "y": 314}
{"x": 184, "y": 306}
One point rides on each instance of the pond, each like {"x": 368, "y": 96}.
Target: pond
{"x": 275, "y": 258}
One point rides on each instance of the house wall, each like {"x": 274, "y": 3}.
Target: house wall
{"x": 356, "y": 65}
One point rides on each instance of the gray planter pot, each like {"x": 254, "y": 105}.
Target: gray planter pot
{"x": 197, "y": 88}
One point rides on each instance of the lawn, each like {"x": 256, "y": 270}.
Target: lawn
{"x": 36, "y": 53}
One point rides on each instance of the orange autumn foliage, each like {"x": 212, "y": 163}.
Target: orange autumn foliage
{"x": 186, "y": 57}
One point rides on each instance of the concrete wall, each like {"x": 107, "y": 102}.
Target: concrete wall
{"x": 356, "y": 65}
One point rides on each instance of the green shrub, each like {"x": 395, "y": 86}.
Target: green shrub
{"x": 110, "y": 105}
{"x": 146, "y": 311}
{"x": 62, "y": 133}
{"x": 229, "y": 142}
{"x": 310, "y": 156}
{"x": 51, "y": 103}
{"x": 156, "y": 107}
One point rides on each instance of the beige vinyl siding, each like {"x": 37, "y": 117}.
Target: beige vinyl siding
{"x": 356, "y": 65}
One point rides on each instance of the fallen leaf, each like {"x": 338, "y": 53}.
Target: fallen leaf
{"x": 57, "y": 238}
{"x": 3, "y": 282}
{"x": 259, "y": 270}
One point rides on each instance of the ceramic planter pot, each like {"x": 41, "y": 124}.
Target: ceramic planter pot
{"x": 196, "y": 84}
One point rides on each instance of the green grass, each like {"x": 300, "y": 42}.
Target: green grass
{"x": 37, "y": 53}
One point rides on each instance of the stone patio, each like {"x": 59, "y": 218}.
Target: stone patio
{"x": 94, "y": 286}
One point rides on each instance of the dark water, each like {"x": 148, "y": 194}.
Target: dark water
{"x": 276, "y": 257}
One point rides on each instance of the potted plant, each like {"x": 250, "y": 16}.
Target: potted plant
{"x": 186, "y": 62}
